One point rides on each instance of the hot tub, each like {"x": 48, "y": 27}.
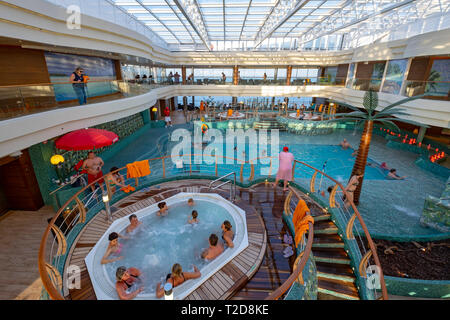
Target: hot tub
{"x": 162, "y": 241}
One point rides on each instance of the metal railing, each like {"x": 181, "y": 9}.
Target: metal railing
{"x": 231, "y": 182}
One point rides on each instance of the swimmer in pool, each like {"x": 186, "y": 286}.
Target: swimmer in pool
{"x": 194, "y": 219}
{"x": 191, "y": 202}
{"x": 214, "y": 250}
{"x": 176, "y": 278}
{"x": 163, "y": 209}
{"x": 134, "y": 223}
{"x": 125, "y": 280}
{"x": 393, "y": 175}
{"x": 114, "y": 247}
{"x": 227, "y": 233}
{"x": 344, "y": 144}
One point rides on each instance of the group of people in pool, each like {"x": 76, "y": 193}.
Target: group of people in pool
{"x": 128, "y": 277}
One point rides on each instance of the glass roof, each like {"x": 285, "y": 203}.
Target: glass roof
{"x": 268, "y": 24}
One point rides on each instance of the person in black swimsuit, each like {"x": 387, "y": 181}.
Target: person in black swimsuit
{"x": 227, "y": 233}
{"x": 176, "y": 278}
{"x": 79, "y": 86}
{"x": 125, "y": 280}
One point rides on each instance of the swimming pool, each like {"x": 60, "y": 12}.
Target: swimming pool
{"x": 161, "y": 242}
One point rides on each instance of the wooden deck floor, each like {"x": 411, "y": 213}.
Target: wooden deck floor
{"x": 222, "y": 285}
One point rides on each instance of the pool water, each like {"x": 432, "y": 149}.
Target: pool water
{"x": 160, "y": 242}
{"x": 389, "y": 207}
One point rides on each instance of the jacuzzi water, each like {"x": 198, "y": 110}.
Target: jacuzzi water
{"x": 162, "y": 241}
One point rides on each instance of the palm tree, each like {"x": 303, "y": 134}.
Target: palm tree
{"x": 368, "y": 117}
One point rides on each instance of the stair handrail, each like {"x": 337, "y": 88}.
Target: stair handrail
{"x": 370, "y": 242}
{"x": 277, "y": 293}
{"x": 232, "y": 186}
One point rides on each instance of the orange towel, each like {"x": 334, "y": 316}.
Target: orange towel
{"x": 230, "y": 112}
{"x": 138, "y": 169}
{"x": 128, "y": 189}
{"x": 300, "y": 211}
{"x": 301, "y": 228}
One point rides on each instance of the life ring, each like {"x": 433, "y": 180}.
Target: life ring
{"x": 204, "y": 128}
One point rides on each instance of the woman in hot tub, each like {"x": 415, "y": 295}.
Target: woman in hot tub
{"x": 227, "y": 233}
{"x": 176, "y": 278}
{"x": 114, "y": 247}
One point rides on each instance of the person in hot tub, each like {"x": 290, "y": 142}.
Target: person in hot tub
{"x": 227, "y": 233}
{"x": 126, "y": 278}
{"x": 176, "y": 278}
{"x": 215, "y": 248}
{"x": 163, "y": 209}
{"x": 134, "y": 223}
{"x": 114, "y": 247}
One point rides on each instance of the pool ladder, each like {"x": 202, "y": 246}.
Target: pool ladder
{"x": 232, "y": 185}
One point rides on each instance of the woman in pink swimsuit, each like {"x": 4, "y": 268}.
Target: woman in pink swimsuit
{"x": 285, "y": 168}
{"x": 114, "y": 247}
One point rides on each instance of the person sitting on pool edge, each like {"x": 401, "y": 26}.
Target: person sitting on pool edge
{"x": 176, "y": 278}
{"x": 393, "y": 175}
{"x": 125, "y": 280}
{"x": 163, "y": 209}
{"x": 114, "y": 247}
{"x": 214, "y": 250}
{"x": 194, "y": 217}
{"x": 227, "y": 233}
{"x": 134, "y": 223}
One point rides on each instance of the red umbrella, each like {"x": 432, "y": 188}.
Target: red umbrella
{"x": 86, "y": 139}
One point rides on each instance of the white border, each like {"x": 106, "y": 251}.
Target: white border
{"x": 105, "y": 289}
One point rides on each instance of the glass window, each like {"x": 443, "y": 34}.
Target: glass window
{"x": 394, "y": 76}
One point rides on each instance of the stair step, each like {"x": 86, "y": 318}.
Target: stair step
{"x": 337, "y": 288}
{"x": 336, "y": 294}
{"x": 337, "y": 253}
{"x": 332, "y": 276}
{"x": 322, "y": 217}
{"x": 336, "y": 269}
{"x": 326, "y": 231}
{"x": 328, "y": 245}
{"x": 332, "y": 260}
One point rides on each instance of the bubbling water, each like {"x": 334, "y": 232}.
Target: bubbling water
{"x": 160, "y": 242}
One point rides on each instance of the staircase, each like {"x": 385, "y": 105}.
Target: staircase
{"x": 268, "y": 124}
{"x": 336, "y": 280}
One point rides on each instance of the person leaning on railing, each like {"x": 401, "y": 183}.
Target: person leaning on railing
{"x": 79, "y": 85}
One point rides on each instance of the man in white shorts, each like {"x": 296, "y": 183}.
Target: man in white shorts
{"x": 167, "y": 117}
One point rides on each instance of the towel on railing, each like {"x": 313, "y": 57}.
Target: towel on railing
{"x": 301, "y": 228}
{"x": 138, "y": 169}
{"x": 128, "y": 189}
{"x": 300, "y": 211}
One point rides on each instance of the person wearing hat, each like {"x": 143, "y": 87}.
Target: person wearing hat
{"x": 126, "y": 278}
{"x": 285, "y": 167}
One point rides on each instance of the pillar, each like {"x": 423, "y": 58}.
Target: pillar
{"x": 421, "y": 134}
{"x": 183, "y": 74}
{"x": 235, "y": 75}
{"x": 288, "y": 75}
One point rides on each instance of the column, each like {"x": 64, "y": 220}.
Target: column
{"x": 288, "y": 75}
{"x": 235, "y": 75}
{"x": 183, "y": 74}
{"x": 421, "y": 134}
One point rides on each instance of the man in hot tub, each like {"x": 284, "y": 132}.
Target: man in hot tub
{"x": 214, "y": 250}
{"x": 126, "y": 279}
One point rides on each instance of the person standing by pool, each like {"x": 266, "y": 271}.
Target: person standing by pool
{"x": 177, "y": 77}
{"x": 93, "y": 166}
{"x": 351, "y": 187}
{"x": 214, "y": 250}
{"x": 77, "y": 79}
{"x": 114, "y": 247}
{"x": 114, "y": 178}
{"x": 224, "y": 77}
{"x": 167, "y": 118}
{"x": 286, "y": 160}
{"x": 126, "y": 278}
{"x": 176, "y": 278}
{"x": 227, "y": 233}
{"x": 134, "y": 223}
